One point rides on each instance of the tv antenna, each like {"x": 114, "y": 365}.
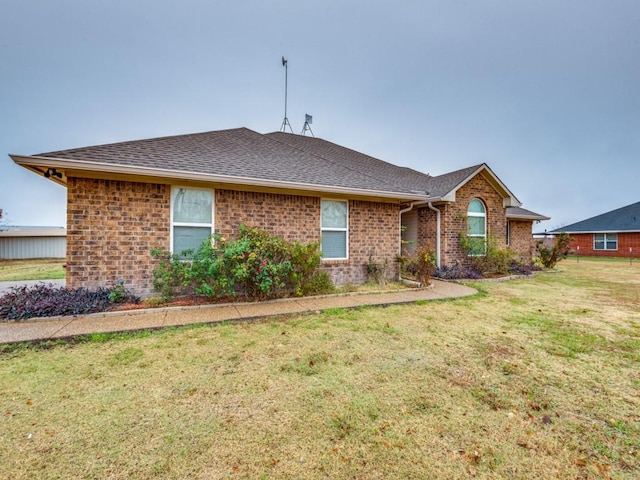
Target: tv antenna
{"x": 285, "y": 122}
{"x": 308, "y": 120}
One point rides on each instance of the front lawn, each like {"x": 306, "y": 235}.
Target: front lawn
{"x": 31, "y": 269}
{"x": 535, "y": 378}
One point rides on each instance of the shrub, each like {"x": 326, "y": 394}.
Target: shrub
{"x": 377, "y": 272}
{"x": 47, "y": 300}
{"x": 456, "y": 272}
{"x": 306, "y": 277}
{"x": 256, "y": 264}
{"x": 550, "y": 256}
{"x": 495, "y": 261}
{"x": 420, "y": 266}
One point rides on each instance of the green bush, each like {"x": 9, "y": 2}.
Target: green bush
{"x": 494, "y": 261}
{"x": 550, "y": 256}
{"x": 257, "y": 265}
{"x": 377, "y": 272}
{"x": 419, "y": 266}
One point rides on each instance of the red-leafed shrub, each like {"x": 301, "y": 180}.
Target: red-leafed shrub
{"x": 48, "y": 300}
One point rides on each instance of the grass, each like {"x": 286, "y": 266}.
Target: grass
{"x": 534, "y": 378}
{"x": 31, "y": 269}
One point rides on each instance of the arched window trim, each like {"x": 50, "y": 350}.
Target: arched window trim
{"x": 478, "y": 238}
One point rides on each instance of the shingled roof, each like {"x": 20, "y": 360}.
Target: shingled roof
{"x": 243, "y": 157}
{"x": 338, "y": 155}
{"x": 519, "y": 213}
{"x": 625, "y": 219}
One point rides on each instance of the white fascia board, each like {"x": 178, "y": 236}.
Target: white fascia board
{"x": 31, "y": 161}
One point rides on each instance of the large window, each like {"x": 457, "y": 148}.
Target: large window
{"x": 191, "y": 218}
{"x": 605, "y": 241}
{"x": 334, "y": 228}
{"x": 477, "y": 227}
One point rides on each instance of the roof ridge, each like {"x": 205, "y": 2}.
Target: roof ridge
{"x": 343, "y": 165}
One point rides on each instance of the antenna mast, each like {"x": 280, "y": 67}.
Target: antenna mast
{"x": 308, "y": 120}
{"x": 285, "y": 122}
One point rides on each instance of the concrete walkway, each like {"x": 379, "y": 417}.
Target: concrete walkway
{"x": 61, "y": 327}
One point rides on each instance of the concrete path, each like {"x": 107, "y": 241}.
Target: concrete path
{"x": 61, "y": 327}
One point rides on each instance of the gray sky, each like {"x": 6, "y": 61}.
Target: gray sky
{"x": 546, "y": 92}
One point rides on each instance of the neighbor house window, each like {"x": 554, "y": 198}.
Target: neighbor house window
{"x": 334, "y": 228}
{"x": 605, "y": 241}
{"x": 191, "y": 218}
{"x": 477, "y": 227}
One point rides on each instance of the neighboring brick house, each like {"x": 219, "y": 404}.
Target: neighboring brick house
{"x": 612, "y": 234}
{"x": 170, "y": 193}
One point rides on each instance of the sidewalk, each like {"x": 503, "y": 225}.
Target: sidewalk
{"x": 61, "y": 327}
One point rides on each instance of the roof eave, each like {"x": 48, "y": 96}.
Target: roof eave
{"x": 587, "y": 232}
{"x": 508, "y": 200}
{"x": 528, "y": 217}
{"x": 35, "y": 163}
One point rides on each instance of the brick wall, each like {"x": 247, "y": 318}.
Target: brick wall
{"x": 455, "y": 218}
{"x": 428, "y": 227}
{"x": 521, "y": 239}
{"x": 293, "y": 217}
{"x": 373, "y": 227}
{"x": 625, "y": 241}
{"x": 112, "y": 226}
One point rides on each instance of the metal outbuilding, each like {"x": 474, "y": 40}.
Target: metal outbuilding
{"x": 32, "y": 242}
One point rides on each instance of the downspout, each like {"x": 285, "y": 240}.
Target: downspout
{"x": 404, "y": 210}
{"x": 431, "y": 207}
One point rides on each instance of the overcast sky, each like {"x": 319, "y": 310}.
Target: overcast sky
{"x": 546, "y": 92}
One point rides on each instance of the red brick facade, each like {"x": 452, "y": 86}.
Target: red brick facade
{"x": 626, "y": 241}
{"x": 521, "y": 239}
{"x": 373, "y": 227}
{"x": 293, "y": 217}
{"x": 453, "y": 218}
{"x": 112, "y": 226}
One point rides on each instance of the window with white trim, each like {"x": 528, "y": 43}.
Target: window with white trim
{"x": 191, "y": 218}
{"x": 605, "y": 241}
{"x": 334, "y": 221}
{"x": 477, "y": 227}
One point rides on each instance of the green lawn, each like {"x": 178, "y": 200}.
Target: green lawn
{"x": 535, "y": 378}
{"x": 31, "y": 269}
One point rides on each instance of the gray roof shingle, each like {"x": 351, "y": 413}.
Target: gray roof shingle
{"x": 625, "y": 219}
{"x": 247, "y": 154}
{"x": 243, "y": 156}
{"x": 523, "y": 213}
{"x": 442, "y": 184}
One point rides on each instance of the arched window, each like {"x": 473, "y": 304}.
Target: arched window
{"x": 477, "y": 227}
